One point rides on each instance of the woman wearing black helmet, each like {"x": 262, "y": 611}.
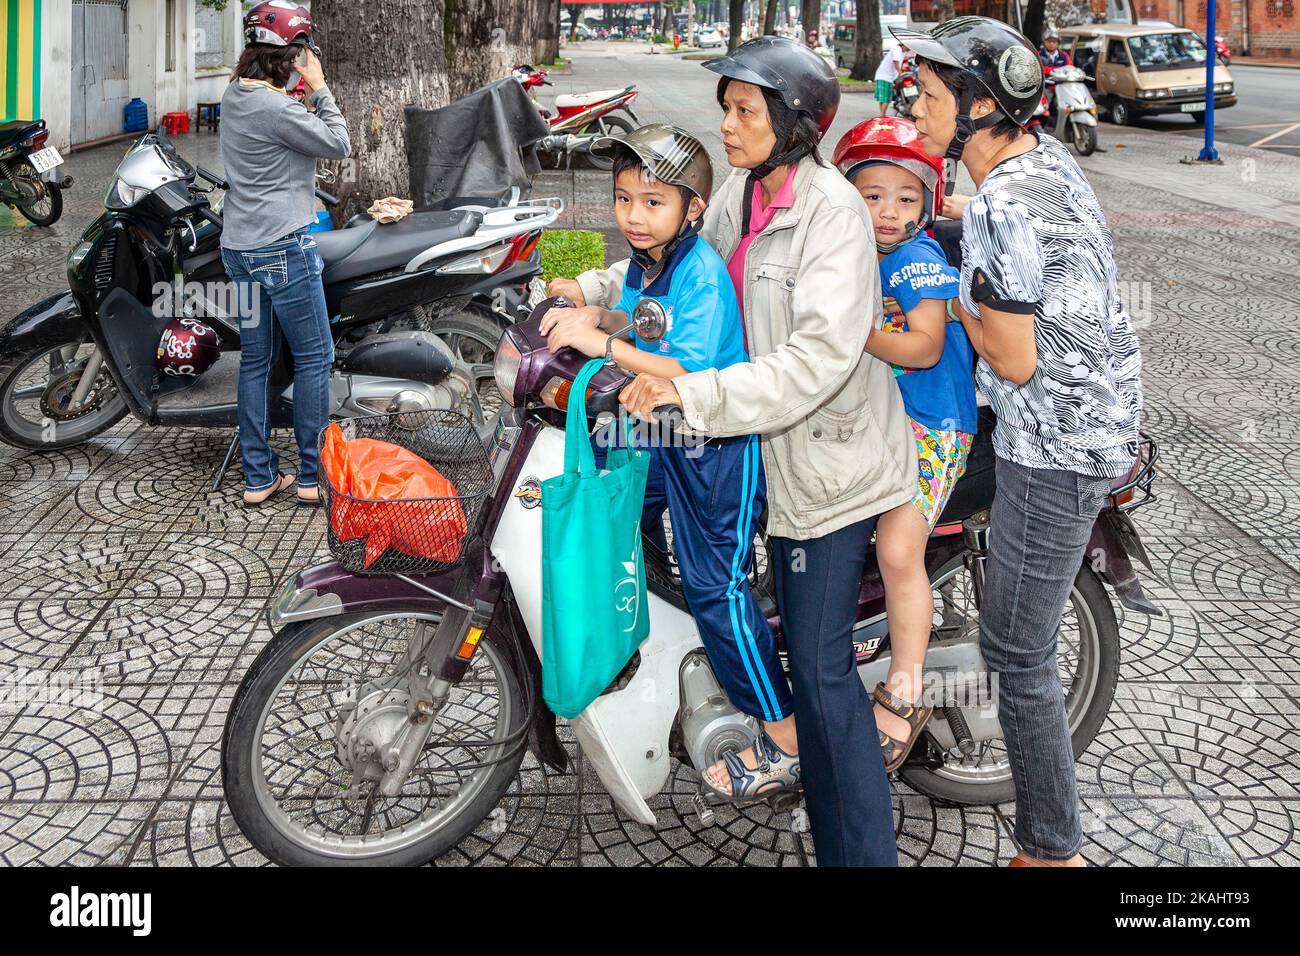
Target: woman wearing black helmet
{"x": 836, "y": 450}
{"x": 1060, "y": 366}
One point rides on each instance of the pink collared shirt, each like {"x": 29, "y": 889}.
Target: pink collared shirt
{"x": 759, "y": 218}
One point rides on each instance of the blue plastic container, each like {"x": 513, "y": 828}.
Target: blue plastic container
{"x": 137, "y": 116}
{"x": 323, "y": 222}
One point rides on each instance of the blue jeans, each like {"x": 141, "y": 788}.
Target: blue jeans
{"x": 845, "y": 787}
{"x": 1038, "y": 533}
{"x": 282, "y": 281}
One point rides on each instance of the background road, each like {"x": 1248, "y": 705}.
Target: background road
{"x": 1267, "y": 114}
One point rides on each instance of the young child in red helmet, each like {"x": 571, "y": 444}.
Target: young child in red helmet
{"x": 934, "y": 364}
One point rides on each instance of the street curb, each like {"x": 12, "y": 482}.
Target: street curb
{"x": 1277, "y": 64}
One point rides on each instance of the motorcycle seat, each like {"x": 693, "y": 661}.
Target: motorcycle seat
{"x": 587, "y": 99}
{"x": 373, "y": 247}
{"x": 11, "y": 131}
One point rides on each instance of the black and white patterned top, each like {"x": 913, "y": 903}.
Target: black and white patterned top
{"x": 1037, "y": 232}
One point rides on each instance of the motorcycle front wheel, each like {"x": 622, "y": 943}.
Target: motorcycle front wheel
{"x": 1088, "y": 661}
{"x": 321, "y": 700}
{"x": 45, "y": 203}
{"x": 1085, "y": 139}
{"x": 36, "y": 391}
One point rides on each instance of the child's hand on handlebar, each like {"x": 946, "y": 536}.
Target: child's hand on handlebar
{"x": 568, "y": 288}
{"x": 587, "y": 315}
{"x": 646, "y": 393}
{"x": 574, "y": 328}
{"x": 955, "y": 205}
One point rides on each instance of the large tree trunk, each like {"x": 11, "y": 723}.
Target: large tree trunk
{"x": 548, "y": 31}
{"x": 769, "y": 18}
{"x": 410, "y": 53}
{"x": 866, "y": 43}
{"x": 812, "y": 18}
{"x": 372, "y": 89}
{"x": 736, "y": 17}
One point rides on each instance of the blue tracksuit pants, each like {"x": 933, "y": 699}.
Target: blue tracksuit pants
{"x": 715, "y": 495}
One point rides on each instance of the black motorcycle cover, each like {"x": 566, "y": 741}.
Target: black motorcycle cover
{"x": 481, "y": 145}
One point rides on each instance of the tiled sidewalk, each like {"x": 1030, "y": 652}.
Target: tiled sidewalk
{"x": 116, "y": 557}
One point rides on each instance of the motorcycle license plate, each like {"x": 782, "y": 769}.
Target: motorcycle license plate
{"x": 45, "y": 159}
{"x": 1196, "y": 107}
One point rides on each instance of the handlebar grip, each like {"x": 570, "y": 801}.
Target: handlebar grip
{"x": 547, "y": 83}
{"x": 205, "y": 212}
{"x": 211, "y": 177}
{"x": 326, "y": 198}
{"x": 668, "y": 416}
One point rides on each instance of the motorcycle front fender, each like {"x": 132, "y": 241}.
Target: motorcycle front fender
{"x": 51, "y": 321}
{"x": 1083, "y": 118}
{"x": 1114, "y": 539}
{"x": 327, "y": 590}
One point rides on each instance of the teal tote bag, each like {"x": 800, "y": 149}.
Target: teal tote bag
{"x": 594, "y": 613}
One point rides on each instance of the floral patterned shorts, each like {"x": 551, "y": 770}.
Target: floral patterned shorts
{"x": 941, "y": 460}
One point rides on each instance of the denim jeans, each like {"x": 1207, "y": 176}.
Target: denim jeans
{"x": 1039, "y": 530}
{"x": 843, "y": 769}
{"x": 282, "y": 282}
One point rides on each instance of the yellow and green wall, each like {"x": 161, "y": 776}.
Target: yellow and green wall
{"x": 20, "y": 59}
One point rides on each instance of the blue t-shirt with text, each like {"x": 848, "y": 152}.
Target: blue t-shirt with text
{"x": 704, "y": 325}
{"x": 942, "y": 396}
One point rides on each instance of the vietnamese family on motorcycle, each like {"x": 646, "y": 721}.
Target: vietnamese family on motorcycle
{"x": 786, "y": 365}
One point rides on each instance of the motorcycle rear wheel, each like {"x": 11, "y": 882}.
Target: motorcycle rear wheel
{"x": 46, "y": 210}
{"x": 26, "y": 382}
{"x": 1089, "y": 671}
{"x": 300, "y": 811}
{"x": 610, "y": 123}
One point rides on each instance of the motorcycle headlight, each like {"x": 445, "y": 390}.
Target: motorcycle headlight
{"x": 123, "y": 196}
{"x": 505, "y": 368}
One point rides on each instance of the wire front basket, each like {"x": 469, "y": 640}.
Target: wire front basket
{"x": 411, "y": 535}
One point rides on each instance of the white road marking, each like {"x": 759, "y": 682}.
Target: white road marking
{"x": 1282, "y": 132}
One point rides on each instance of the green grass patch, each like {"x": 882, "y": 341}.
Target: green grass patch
{"x": 702, "y": 56}
{"x": 848, "y": 84}
{"x": 566, "y": 252}
{"x": 560, "y": 64}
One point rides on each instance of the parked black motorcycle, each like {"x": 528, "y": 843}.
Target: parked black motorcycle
{"x": 29, "y": 171}
{"x": 76, "y": 363}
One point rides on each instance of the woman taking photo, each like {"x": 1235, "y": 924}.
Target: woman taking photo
{"x": 269, "y": 146}
{"x": 1060, "y": 366}
{"x": 836, "y": 450}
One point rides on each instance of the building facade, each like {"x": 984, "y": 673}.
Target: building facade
{"x": 77, "y": 63}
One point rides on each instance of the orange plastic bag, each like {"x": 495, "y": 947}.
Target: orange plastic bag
{"x": 389, "y": 476}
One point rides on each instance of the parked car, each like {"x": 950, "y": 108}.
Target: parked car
{"x": 1145, "y": 70}
{"x": 846, "y": 36}
{"x": 709, "y": 38}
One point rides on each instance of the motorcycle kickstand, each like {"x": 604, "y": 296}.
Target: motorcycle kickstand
{"x": 220, "y": 475}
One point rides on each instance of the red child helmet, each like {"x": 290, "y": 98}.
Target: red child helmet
{"x": 279, "y": 23}
{"x": 188, "y": 347}
{"x": 889, "y": 139}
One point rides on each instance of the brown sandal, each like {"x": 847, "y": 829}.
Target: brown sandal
{"x": 896, "y": 751}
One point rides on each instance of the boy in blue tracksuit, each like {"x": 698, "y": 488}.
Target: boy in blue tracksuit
{"x": 714, "y": 493}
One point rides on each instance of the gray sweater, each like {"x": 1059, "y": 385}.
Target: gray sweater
{"x": 269, "y": 145}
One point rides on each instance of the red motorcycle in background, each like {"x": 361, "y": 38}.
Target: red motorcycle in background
{"x": 579, "y": 118}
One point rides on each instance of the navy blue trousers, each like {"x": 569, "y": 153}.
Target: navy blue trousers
{"x": 715, "y": 495}
{"x": 843, "y": 769}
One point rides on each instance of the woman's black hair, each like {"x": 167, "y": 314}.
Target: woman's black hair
{"x": 797, "y": 129}
{"x": 956, "y": 80}
{"x": 270, "y": 63}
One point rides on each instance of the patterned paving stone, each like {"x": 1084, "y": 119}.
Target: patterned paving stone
{"x": 70, "y": 834}
{"x": 1151, "y": 831}
{"x": 1222, "y": 740}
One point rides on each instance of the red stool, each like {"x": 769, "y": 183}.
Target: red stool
{"x": 175, "y": 123}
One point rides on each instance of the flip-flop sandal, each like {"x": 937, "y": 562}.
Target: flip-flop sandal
{"x": 896, "y": 751}
{"x": 308, "y": 502}
{"x": 282, "y": 482}
{"x": 776, "y": 770}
